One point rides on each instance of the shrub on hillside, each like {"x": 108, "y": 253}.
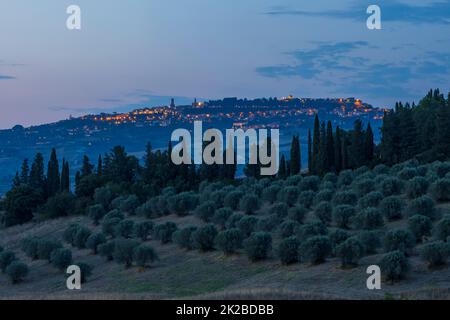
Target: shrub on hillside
{"x": 144, "y": 255}
{"x": 85, "y": 271}
{"x": 280, "y": 209}
{"x": 184, "y": 202}
{"x": 46, "y": 247}
{"x": 96, "y": 213}
{"x": 391, "y": 187}
{"x": 401, "y": 240}
{"x": 306, "y": 198}
{"x": 17, "y": 271}
{"x": 103, "y": 196}
{"x": 205, "y": 211}
{"x": 323, "y": 212}
{"x": 233, "y": 220}
{"x": 370, "y": 240}
{"x": 363, "y": 186}
{"x": 345, "y": 178}
{"x": 221, "y": 216}
{"x": 163, "y": 232}
{"x": 392, "y": 207}
{"x": 107, "y": 250}
{"x": 330, "y": 177}
{"x": 229, "y": 240}
{"x": 61, "y": 258}
{"x": 435, "y": 253}
{"x": 343, "y": 215}
{"x": 316, "y": 249}
{"x": 441, "y": 168}
{"x": 6, "y": 258}
{"x": 407, "y": 174}
{"x": 123, "y": 251}
{"x": 183, "y": 237}
{"x": 394, "y": 265}
{"x": 258, "y": 245}
{"x": 310, "y": 183}
{"x": 30, "y": 247}
{"x": 380, "y": 169}
{"x": 288, "y": 228}
{"x": 249, "y": 204}
{"x": 143, "y": 230}
{"x": 268, "y": 223}
{"x": 288, "y": 250}
{"x": 345, "y": 197}
{"x": 311, "y": 229}
{"x": 60, "y": 205}
{"x": 269, "y": 194}
{"x": 420, "y": 226}
{"x": 289, "y": 195}
{"x": 297, "y": 213}
{"x": 124, "y": 229}
{"x": 350, "y": 251}
{"x": 337, "y": 236}
{"x": 372, "y": 199}
{"x": 368, "y": 219}
{"x": 441, "y": 189}
{"x": 114, "y": 214}
{"x": 94, "y": 241}
{"x": 423, "y": 205}
{"x": 442, "y": 229}
{"x": 231, "y": 200}
{"x": 146, "y": 210}
{"x": 81, "y": 237}
{"x": 203, "y": 237}
{"x": 69, "y": 234}
{"x": 247, "y": 225}
{"x": 416, "y": 187}
{"x": 109, "y": 226}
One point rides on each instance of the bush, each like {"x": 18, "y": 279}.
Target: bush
{"x": 392, "y": 207}
{"x": 30, "y": 247}
{"x": 247, "y": 225}
{"x": 288, "y": 250}
{"x": 416, "y": 187}
{"x": 94, "y": 241}
{"x": 6, "y": 257}
{"x": 183, "y": 237}
{"x": 114, "y": 214}
{"x": 69, "y": 234}
{"x": 85, "y": 271}
{"x": 60, "y": 205}
{"x": 289, "y": 195}
{"x": 123, "y": 251}
{"x": 345, "y": 197}
{"x": 182, "y": 203}
{"x": 96, "y": 213}
{"x": 323, "y": 212}
{"x": 372, "y": 199}
{"x": 221, "y": 216}
{"x": 268, "y": 223}
{"x": 143, "y": 255}
{"x": 380, "y": 169}
{"x": 442, "y": 229}
{"x": 394, "y": 265}
{"x": 109, "y": 226}
{"x": 369, "y": 219}
{"x": 205, "y": 211}
{"x": 258, "y": 245}
{"x": 107, "y": 250}
{"x": 81, "y": 237}
{"x": 423, "y": 205}
{"x": 124, "y": 229}
{"x": 269, "y": 194}
{"x": 203, "y": 237}
{"x": 435, "y": 253}
{"x": 420, "y": 226}
{"x": 297, "y": 213}
{"x": 391, "y": 187}
{"x": 401, "y": 240}
{"x": 441, "y": 190}
{"x": 103, "y": 196}
{"x": 147, "y": 210}
{"x": 310, "y": 183}
{"x": 163, "y": 232}
{"x": 229, "y": 240}
{"x": 364, "y": 186}
{"x": 407, "y": 173}
{"x": 330, "y": 177}
{"x": 280, "y": 209}
{"x": 345, "y": 178}
{"x": 61, "y": 258}
{"x": 46, "y": 247}
{"x": 143, "y": 230}
{"x": 350, "y": 251}
{"x": 311, "y": 229}
{"x": 288, "y": 228}
{"x": 306, "y": 198}
{"x": 249, "y": 204}
{"x": 233, "y": 220}
{"x": 343, "y": 214}
{"x": 337, "y": 236}
{"x": 316, "y": 249}
{"x": 441, "y": 168}
{"x": 231, "y": 200}
{"x": 370, "y": 240}
{"x": 17, "y": 271}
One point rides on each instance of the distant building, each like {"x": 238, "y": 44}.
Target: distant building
{"x": 172, "y": 103}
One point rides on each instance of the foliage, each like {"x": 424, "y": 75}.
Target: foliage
{"x": 343, "y": 214}
{"x": 163, "y": 232}
{"x": 435, "y": 253}
{"x": 203, "y": 237}
{"x": 288, "y": 250}
{"x": 205, "y": 210}
{"x": 46, "y": 247}
{"x": 6, "y": 258}
{"x": 392, "y": 207}
{"x": 123, "y": 251}
{"x": 316, "y": 249}
{"x": 61, "y": 258}
{"x": 416, "y": 187}
{"x": 323, "y": 212}
{"x": 400, "y": 239}
{"x": 183, "y": 237}
{"x": 229, "y": 240}
{"x": 369, "y": 219}
{"x": 124, "y": 229}
{"x": 143, "y": 230}
{"x": 143, "y": 255}
{"x": 350, "y": 251}
{"x": 249, "y": 204}
{"x": 247, "y": 225}
{"x": 420, "y": 226}
{"x": 94, "y": 241}
{"x": 442, "y": 229}
{"x": 394, "y": 265}
{"x": 17, "y": 271}
{"x": 258, "y": 245}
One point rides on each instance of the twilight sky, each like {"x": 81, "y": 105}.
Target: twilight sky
{"x": 141, "y": 52}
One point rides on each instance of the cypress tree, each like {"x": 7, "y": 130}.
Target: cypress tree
{"x": 443, "y": 131}
{"x": 16, "y": 181}
{"x": 316, "y": 145}
{"x": 282, "y": 169}
{"x": 322, "y": 160}
{"x": 65, "y": 177}
{"x": 37, "y": 177}
{"x": 24, "y": 172}
{"x": 368, "y": 145}
{"x": 357, "y": 145}
{"x": 345, "y": 160}
{"x": 53, "y": 176}
{"x": 338, "y": 151}
{"x": 87, "y": 167}
{"x": 149, "y": 166}
{"x": 330, "y": 148}
{"x": 100, "y": 166}
{"x": 295, "y": 162}
{"x": 310, "y": 169}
